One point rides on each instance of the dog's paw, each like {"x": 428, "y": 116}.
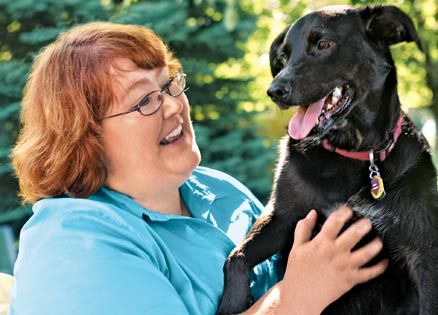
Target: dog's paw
{"x": 236, "y": 304}
{"x": 236, "y": 296}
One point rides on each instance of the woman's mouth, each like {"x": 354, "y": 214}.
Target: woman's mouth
{"x": 173, "y": 136}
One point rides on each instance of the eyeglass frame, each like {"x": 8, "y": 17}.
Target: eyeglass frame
{"x": 165, "y": 89}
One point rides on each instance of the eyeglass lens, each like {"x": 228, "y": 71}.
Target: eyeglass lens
{"x": 153, "y": 102}
{"x": 177, "y": 85}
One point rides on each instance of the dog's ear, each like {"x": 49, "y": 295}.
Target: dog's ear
{"x": 275, "y": 62}
{"x": 389, "y": 24}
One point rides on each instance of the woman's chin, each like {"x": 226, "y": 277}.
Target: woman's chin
{"x": 194, "y": 159}
{"x": 185, "y": 163}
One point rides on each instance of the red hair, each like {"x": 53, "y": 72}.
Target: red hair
{"x": 59, "y": 148}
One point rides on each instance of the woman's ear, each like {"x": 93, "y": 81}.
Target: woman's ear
{"x": 276, "y": 64}
{"x": 389, "y": 25}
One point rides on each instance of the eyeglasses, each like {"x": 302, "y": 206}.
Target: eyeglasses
{"x": 152, "y": 101}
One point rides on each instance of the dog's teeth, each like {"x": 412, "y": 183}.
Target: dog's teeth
{"x": 337, "y": 92}
{"x": 335, "y": 99}
{"x": 329, "y": 106}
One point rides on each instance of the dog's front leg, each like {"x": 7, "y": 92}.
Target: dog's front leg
{"x": 419, "y": 239}
{"x": 269, "y": 235}
{"x": 424, "y": 269}
{"x": 428, "y": 289}
{"x": 422, "y": 255}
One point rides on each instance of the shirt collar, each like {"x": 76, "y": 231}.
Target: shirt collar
{"x": 196, "y": 195}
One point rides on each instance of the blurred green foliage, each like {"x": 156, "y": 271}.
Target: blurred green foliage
{"x": 203, "y": 34}
{"x": 223, "y": 46}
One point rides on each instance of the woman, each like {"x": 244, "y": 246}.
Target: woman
{"x": 125, "y": 222}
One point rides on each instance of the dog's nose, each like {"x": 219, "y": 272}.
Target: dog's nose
{"x": 279, "y": 91}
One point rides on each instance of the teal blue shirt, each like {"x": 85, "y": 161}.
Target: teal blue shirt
{"x": 108, "y": 255}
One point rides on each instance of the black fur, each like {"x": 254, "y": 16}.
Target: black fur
{"x": 311, "y": 177}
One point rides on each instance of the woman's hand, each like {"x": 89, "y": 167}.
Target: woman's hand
{"x": 321, "y": 270}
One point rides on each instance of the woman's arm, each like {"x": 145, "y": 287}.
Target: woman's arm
{"x": 321, "y": 270}
{"x": 84, "y": 262}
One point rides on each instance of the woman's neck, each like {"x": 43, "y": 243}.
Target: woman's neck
{"x": 160, "y": 199}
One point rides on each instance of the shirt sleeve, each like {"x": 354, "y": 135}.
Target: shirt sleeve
{"x": 85, "y": 263}
{"x": 237, "y": 198}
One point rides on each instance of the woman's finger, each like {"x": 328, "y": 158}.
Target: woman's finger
{"x": 364, "y": 254}
{"x": 304, "y": 228}
{"x": 334, "y": 223}
{"x": 368, "y": 273}
{"x": 354, "y": 233}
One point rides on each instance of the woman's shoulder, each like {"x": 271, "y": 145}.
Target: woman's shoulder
{"x": 221, "y": 182}
{"x": 90, "y": 249}
{"x": 59, "y": 222}
{"x": 215, "y": 175}
{"x": 64, "y": 210}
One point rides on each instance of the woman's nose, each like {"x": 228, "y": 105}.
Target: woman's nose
{"x": 171, "y": 105}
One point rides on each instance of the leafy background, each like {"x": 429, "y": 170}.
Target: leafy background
{"x": 223, "y": 46}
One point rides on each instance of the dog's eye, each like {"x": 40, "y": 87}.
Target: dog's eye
{"x": 325, "y": 44}
{"x": 282, "y": 58}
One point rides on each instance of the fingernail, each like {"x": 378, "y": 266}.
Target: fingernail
{"x": 310, "y": 214}
{"x": 378, "y": 245}
{"x": 347, "y": 211}
{"x": 365, "y": 225}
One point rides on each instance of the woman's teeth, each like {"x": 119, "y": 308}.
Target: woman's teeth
{"x": 174, "y": 133}
{"x": 172, "y": 136}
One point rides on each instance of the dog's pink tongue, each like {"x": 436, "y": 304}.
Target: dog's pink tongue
{"x": 305, "y": 119}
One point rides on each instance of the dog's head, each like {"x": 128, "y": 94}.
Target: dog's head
{"x": 335, "y": 64}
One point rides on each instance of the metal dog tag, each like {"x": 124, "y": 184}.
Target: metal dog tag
{"x": 377, "y": 187}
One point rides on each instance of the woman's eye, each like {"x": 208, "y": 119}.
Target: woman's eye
{"x": 144, "y": 101}
{"x": 325, "y": 44}
{"x": 169, "y": 87}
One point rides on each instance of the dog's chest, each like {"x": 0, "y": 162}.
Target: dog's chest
{"x": 325, "y": 182}
{"x": 327, "y": 178}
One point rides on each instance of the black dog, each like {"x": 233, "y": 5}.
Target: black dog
{"x": 349, "y": 133}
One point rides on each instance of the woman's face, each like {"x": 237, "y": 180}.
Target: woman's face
{"x": 135, "y": 145}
